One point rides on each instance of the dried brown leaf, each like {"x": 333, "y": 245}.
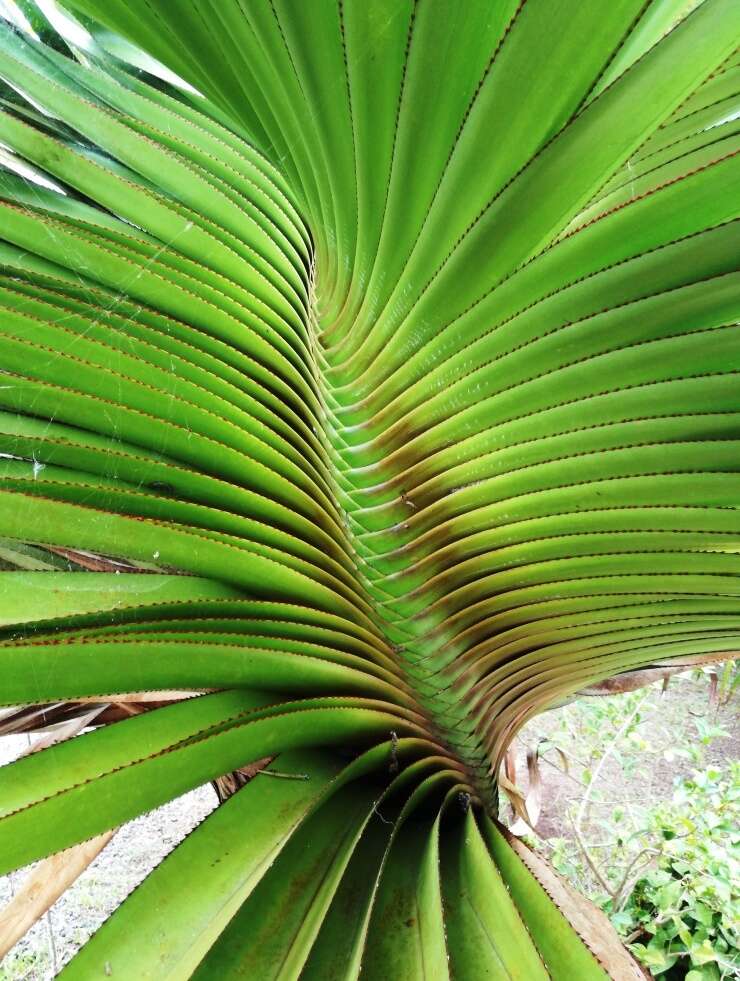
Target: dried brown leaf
{"x": 590, "y": 923}
{"x": 43, "y": 886}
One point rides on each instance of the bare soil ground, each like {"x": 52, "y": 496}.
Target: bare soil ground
{"x": 646, "y": 774}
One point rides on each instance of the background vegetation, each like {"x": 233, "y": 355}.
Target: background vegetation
{"x": 641, "y": 811}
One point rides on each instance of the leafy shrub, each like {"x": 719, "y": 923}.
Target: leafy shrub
{"x": 665, "y": 871}
{"x": 684, "y": 912}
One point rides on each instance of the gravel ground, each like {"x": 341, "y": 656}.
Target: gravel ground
{"x": 124, "y": 862}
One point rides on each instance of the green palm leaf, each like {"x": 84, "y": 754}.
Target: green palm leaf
{"x": 378, "y": 386}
